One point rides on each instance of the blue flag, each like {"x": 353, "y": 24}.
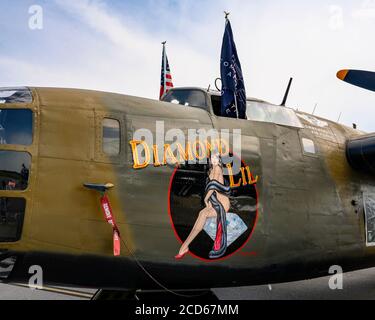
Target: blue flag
{"x": 233, "y": 93}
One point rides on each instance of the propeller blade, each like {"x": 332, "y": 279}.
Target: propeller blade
{"x": 359, "y": 78}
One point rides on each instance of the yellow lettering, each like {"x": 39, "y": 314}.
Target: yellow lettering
{"x": 250, "y": 177}
{"x": 168, "y": 155}
{"x": 134, "y": 146}
{"x": 156, "y": 156}
{"x": 217, "y": 145}
{"x": 185, "y": 155}
{"x": 231, "y": 179}
{"x": 224, "y": 143}
{"x": 200, "y": 153}
{"x": 243, "y": 176}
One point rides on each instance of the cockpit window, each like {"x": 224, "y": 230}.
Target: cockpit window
{"x": 264, "y": 112}
{"x": 188, "y": 98}
{"x": 15, "y": 95}
{"x": 16, "y": 126}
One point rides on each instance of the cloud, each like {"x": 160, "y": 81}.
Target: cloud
{"x": 134, "y": 55}
{"x": 366, "y": 11}
{"x": 336, "y": 21}
{"x": 97, "y": 15}
{"x": 116, "y": 46}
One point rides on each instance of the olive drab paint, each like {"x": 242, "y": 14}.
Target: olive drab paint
{"x": 306, "y": 219}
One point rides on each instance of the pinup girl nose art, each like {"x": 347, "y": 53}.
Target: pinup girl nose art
{"x": 213, "y": 214}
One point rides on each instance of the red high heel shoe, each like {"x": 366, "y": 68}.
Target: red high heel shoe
{"x": 181, "y": 256}
{"x": 219, "y": 235}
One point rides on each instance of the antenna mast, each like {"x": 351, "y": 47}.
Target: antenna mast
{"x": 287, "y": 93}
{"x": 316, "y": 104}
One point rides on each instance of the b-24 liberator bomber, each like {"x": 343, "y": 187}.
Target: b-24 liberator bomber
{"x": 302, "y": 200}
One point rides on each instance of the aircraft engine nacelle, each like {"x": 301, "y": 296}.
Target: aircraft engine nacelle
{"x": 360, "y": 153}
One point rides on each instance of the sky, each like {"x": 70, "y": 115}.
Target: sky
{"x": 115, "y": 46}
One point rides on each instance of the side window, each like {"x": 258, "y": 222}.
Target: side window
{"x": 12, "y": 212}
{"x": 14, "y": 170}
{"x": 308, "y": 146}
{"x": 111, "y": 137}
{"x": 16, "y": 126}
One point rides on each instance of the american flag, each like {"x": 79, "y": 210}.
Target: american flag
{"x": 166, "y": 77}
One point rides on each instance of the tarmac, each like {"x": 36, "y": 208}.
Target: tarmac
{"x": 358, "y": 285}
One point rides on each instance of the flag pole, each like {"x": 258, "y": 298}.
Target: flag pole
{"x": 235, "y": 102}
{"x": 164, "y": 68}
{"x": 165, "y": 63}
{"x": 235, "y": 97}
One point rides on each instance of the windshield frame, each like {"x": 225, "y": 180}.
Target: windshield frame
{"x": 205, "y": 107}
{"x": 19, "y": 96}
{"x": 270, "y": 113}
